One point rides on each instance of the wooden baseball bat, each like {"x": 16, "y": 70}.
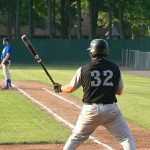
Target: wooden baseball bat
{"x": 32, "y": 50}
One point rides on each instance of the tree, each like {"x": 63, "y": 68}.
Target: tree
{"x": 18, "y": 19}
{"x": 121, "y": 20}
{"x": 9, "y": 18}
{"x": 31, "y": 18}
{"x": 110, "y": 20}
{"x": 62, "y": 13}
{"x": 79, "y": 18}
{"x": 53, "y": 20}
{"x": 97, "y": 5}
{"x": 70, "y": 20}
{"x": 50, "y": 19}
{"x": 91, "y": 17}
{"x": 94, "y": 7}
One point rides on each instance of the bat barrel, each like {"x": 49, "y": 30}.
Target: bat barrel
{"x": 35, "y": 55}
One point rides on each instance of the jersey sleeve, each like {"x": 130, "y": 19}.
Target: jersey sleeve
{"x": 76, "y": 80}
{"x": 8, "y": 49}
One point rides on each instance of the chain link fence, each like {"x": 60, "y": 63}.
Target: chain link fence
{"x": 136, "y": 59}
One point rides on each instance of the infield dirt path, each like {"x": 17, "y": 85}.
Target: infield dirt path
{"x": 69, "y": 111}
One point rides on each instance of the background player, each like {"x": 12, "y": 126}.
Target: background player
{"x": 101, "y": 81}
{"x": 6, "y": 61}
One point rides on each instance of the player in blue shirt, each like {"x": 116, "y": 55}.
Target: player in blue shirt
{"x": 6, "y": 61}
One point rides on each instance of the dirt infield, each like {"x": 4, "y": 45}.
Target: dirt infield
{"x": 45, "y": 95}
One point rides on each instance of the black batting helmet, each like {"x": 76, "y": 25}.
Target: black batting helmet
{"x": 99, "y": 47}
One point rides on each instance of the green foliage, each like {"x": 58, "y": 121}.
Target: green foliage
{"x": 137, "y": 17}
{"x": 136, "y": 14}
{"x": 102, "y": 19}
{"x": 84, "y": 5}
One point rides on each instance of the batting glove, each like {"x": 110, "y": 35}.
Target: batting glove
{"x": 57, "y": 87}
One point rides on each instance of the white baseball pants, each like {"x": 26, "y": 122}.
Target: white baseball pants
{"x": 6, "y": 71}
{"x": 107, "y": 115}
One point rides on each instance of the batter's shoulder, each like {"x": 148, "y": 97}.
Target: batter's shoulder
{"x": 85, "y": 66}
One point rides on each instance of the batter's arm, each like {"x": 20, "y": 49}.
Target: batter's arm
{"x": 119, "y": 90}
{"x": 6, "y": 58}
{"x": 67, "y": 88}
{"x": 74, "y": 84}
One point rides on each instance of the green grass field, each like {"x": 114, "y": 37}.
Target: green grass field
{"x": 21, "y": 121}
{"x": 135, "y": 101}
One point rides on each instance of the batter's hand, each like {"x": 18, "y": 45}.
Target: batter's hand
{"x": 57, "y": 87}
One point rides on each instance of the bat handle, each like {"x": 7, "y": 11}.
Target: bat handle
{"x": 47, "y": 72}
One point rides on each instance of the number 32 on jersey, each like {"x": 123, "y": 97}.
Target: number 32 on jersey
{"x": 96, "y": 78}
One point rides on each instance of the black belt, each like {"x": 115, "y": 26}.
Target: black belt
{"x": 99, "y": 103}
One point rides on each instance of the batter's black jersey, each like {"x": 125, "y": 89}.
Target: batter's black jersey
{"x": 99, "y": 80}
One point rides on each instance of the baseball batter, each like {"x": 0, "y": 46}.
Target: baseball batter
{"x": 101, "y": 81}
{"x": 5, "y": 63}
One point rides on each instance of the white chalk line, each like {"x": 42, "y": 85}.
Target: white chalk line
{"x": 62, "y": 98}
{"x": 60, "y": 118}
